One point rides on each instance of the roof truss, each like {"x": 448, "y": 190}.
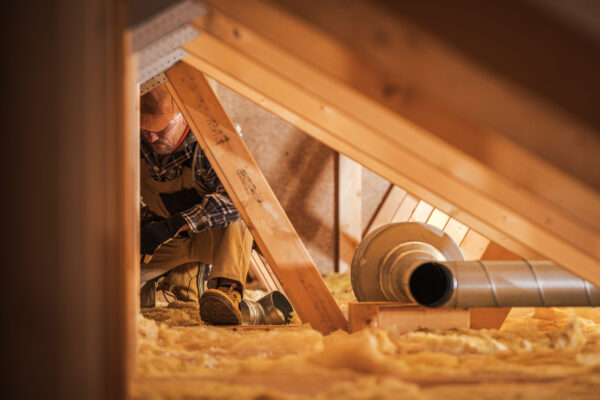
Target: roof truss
{"x": 525, "y": 214}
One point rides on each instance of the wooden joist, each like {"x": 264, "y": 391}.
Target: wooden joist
{"x": 386, "y": 209}
{"x": 406, "y": 208}
{"x": 254, "y": 199}
{"x": 438, "y": 218}
{"x": 399, "y": 206}
{"x": 473, "y": 245}
{"x": 422, "y": 212}
{"x": 528, "y": 218}
{"x": 349, "y": 211}
{"x": 398, "y": 63}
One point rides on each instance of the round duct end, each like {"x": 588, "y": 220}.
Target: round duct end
{"x": 432, "y": 284}
{"x": 372, "y": 251}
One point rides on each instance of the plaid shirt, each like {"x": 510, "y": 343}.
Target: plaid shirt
{"x": 216, "y": 210}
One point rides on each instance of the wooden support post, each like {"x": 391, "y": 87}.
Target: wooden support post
{"x": 129, "y": 208}
{"x": 492, "y": 196}
{"x": 69, "y": 199}
{"x": 254, "y": 199}
{"x": 349, "y": 211}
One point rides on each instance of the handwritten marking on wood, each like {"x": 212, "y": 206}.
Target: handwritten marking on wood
{"x": 249, "y": 186}
{"x": 217, "y": 133}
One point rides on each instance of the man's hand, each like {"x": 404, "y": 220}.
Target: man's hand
{"x": 184, "y": 228}
{"x": 156, "y": 233}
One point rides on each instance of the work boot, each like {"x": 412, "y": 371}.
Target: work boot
{"x": 220, "y": 306}
{"x": 180, "y": 283}
{"x": 148, "y": 294}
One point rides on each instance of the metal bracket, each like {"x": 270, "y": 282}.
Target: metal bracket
{"x": 157, "y": 42}
{"x": 161, "y": 65}
{"x": 152, "y": 83}
{"x": 168, "y": 20}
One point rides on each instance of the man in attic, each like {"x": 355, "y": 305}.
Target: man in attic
{"x": 187, "y": 217}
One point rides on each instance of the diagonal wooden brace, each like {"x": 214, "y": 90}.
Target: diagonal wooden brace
{"x": 254, "y": 199}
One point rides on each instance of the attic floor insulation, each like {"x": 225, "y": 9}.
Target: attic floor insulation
{"x": 538, "y": 354}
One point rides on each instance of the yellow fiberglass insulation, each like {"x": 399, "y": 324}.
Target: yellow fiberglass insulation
{"x": 538, "y": 354}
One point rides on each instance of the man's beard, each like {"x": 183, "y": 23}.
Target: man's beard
{"x": 162, "y": 148}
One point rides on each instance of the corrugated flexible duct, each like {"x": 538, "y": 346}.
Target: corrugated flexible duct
{"x": 413, "y": 262}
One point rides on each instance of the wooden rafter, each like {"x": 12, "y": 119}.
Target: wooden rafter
{"x": 525, "y": 218}
{"x": 254, "y": 199}
{"x": 400, "y": 65}
{"x": 399, "y": 206}
{"x": 386, "y": 209}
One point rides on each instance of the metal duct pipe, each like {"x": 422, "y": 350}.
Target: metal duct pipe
{"x": 409, "y": 262}
{"x": 272, "y": 309}
{"x": 465, "y": 284}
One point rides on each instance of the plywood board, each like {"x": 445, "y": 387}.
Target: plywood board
{"x": 404, "y": 317}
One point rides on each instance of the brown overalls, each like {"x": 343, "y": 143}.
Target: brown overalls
{"x": 227, "y": 249}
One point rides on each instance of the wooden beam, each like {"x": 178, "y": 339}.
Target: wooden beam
{"x": 397, "y": 63}
{"x": 438, "y": 218}
{"x": 529, "y": 226}
{"x": 129, "y": 143}
{"x": 456, "y": 230}
{"x": 263, "y": 273}
{"x": 404, "y": 317}
{"x": 349, "y": 211}
{"x": 531, "y": 218}
{"x": 488, "y": 318}
{"x": 496, "y": 252}
{"x": 68, "y": 314}
{"x": 492, "y": 318}
{"x": 473, "y": 245}
{"x": 406, "y": 208}
{"x": 398, "y": 206}
{"x": 254, "y": 199}
{"x": 386, "y": 209}
{"x": 422, "y": 212}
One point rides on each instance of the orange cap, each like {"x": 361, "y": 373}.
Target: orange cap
{"x": 157, "y": 109}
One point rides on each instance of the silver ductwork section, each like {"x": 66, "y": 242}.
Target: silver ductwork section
{"x": 418, "y": 263}
{"x": 272, "y": 309}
